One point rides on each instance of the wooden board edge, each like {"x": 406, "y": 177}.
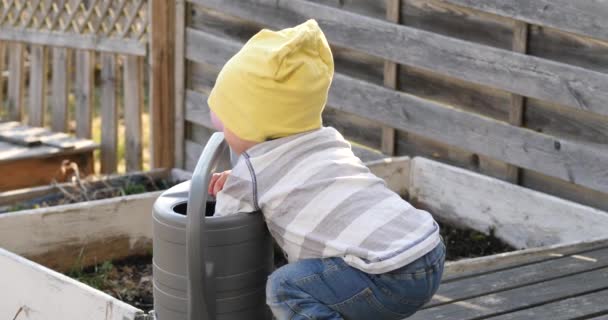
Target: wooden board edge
{"x": 466, "y": 267}
{"x": 40, "y": 293}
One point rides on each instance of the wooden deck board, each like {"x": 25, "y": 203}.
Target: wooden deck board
{"x": 589, "y": 304}
{"x": 525, "y": 275}
{"x": 571, "y": 286}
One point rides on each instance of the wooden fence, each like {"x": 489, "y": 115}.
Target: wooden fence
{"x": 516, "y": 90}
{"x": 94, "y": 53}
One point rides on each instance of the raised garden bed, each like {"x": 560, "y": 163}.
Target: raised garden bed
{"x": 89, "y": 234}
{"x": 130, "y": 280}
{"x": 83, "y": 234}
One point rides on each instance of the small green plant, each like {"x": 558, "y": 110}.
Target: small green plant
{"x": 97, "y": 279}
{"x": 17, "y": 207}
{"x": 134, "y": 188}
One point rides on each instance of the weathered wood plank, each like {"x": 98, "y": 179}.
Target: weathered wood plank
{"x": 16, "y": 81}
{"x": 102, "y": 229}
{"x": 109, "y": 114}
{"x": 133, "y": 81}
{"x": 521, "y": 217}
{"x": 569, "y": 48}
{"x": 162, "y": 83}
{"x": 2, "y": 65}
{"x": 84, "y": 91}
{"x": 564, "y": 189}
{"x": 572, "y": 308}
{"x": 193, "y": 152}
{"x": 18, "y": 134}
{"x": 466, "y": 268}
{"x": 391, "y": 72}
{"x": 75, "y": 41}
{"x": 197, "y": 110}
{"x": 37, "y": 85}
{"x": 518, "y": 298}
{"x": 462, "y": 95}
{"x": 574, "y": 162}
{"x": 517, "y": 277}
{"x": 571, "y": 86}
{"x": 458, "y": 22}
{"x": 582, "y": 17}
{"x": 471, "y": 132}
{"x": 38, "y": 293}
{"x": 59, "y": 90}
{"x": 180, "y": 81}
{"x": 520, "y": 44}
{"x": 376, "y": 9}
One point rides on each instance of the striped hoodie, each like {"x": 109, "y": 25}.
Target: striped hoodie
{"x": 319, "y": 200}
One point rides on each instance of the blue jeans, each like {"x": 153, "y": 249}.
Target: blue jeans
{"x": 330, "y": 289}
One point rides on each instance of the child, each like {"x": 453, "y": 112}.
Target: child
{"x": 356, "y": 250}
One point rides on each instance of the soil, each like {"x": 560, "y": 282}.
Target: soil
{"x": 131, "y": 280}
{"x": 87, "y": 190}
{"x": 467, "y": 243}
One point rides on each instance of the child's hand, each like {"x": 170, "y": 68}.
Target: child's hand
{"x": 216, "y": 184}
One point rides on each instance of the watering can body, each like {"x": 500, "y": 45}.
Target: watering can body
{"x": 205, "y": 267}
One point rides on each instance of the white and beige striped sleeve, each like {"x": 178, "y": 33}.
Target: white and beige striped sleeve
{"x": 238, "y": 193}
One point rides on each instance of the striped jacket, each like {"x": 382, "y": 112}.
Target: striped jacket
{"x": 319, "y": 201}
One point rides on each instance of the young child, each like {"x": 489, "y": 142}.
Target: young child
{"x": 356, "y": 250}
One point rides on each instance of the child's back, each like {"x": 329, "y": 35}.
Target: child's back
{"x": 320, "y": 201}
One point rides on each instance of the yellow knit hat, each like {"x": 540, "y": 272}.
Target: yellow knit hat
{"x": 276, "y": 85}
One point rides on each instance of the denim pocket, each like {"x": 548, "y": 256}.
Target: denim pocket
{"x": 365, "y": 305}
{"x": 415, "y": 283}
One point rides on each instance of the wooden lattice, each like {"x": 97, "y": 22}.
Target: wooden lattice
{"x": 103, "y": 18}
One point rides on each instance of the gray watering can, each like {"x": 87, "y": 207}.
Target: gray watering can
{"x": 205, "y": 267}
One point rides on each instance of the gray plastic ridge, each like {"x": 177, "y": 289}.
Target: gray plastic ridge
{"x": 201, "y": 301}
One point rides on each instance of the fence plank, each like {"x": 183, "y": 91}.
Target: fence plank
{"x": 180, "y": 78}
{"x": 75, "y": 41}
{"x": 2, "y": 64}
{"x": 197, "y": 110}
{"x": 109, "y": 114}
{"x": 391, "y": 72}
{"x": 525, "y": 75}
{"x": 520, "y": 44}
{"x": 84, "y": 90}
{"x": 583, "y": 17}
{"x": 37, "y": 86}
{"x": 59, "y": 90}
{"x": 575, "y": 162}
{"x": 134, "y": 105}
{"x": 16, "y": 81}
{"x": 162, "y": 82}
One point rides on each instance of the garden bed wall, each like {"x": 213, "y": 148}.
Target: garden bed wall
{"x": 514, "y": 90}
{"x": 33, "y": 292}
{"x": 78, "y": 235}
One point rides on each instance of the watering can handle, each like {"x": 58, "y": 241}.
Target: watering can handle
{"x": 201, "y": 299}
